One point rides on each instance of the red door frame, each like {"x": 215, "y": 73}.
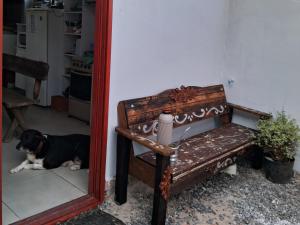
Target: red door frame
{"x": 99, "y": 123}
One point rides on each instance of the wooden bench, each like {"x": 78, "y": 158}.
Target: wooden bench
{"x": 200, "y": 156}
{"x": 14, "y": 103}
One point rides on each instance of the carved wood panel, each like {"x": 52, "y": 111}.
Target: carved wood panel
{"x": 187, "y": 104}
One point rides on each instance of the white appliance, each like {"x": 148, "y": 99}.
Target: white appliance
{"x": 44, "y": 42}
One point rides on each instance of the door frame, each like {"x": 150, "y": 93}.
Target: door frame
{"x": 99, "y": 123}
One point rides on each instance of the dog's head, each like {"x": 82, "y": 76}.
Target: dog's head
{"x": 30, "y": 141}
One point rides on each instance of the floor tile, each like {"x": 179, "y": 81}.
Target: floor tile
{"x": 8, "y": 216}
{"x": 78, "y": 178}
{"x": 48, "y": 191}
{"x": 12, "y": 158}
{"x": 56, "y": 123}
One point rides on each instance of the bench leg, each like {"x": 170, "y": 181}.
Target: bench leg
{"x": 258, "y": 158}
{"x": 10, "y": 132}
{"x": 19, "y": 115}
{"x": 123, "y": 154}
{"x": 12, "y": 127}
{"x": 17, "y": 118}
{"x": 161, "y": 190}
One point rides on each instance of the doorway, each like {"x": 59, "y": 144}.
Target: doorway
{"x": 99, "y": 114}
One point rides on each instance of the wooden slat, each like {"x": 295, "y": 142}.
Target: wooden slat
{"x": 152, "y": 145}
{"x": 12, "y": 99}
{"x": 27, "y": 67}
{"x": 182, "y": 117}
{"x": 141, "y": 170}
{"x": 164, "y": 97}
{"x": 206, "y": 146}
{"x": 257, "y": 113}
{"x": 206, "y": 170}
{"x": 178, "y": 102}
{"x": 175, "y": 109}
{"x": 122, "y": 117}
{"x": 166, "y": 103}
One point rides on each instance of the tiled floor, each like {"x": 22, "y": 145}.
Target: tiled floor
{"x": 29, "y": 192}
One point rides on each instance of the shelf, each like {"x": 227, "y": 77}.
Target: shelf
{"x": 73, "y": 34}
{"x": 67, "y": 76}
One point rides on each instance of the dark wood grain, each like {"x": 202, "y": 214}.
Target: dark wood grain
{"x": 141, "y": 170}
{"x": 159, "y": 201}
{"x": 205, "y": 100}
{"x": 122, "y": 117}
{"x": 12, "y": 99}
{"x": 123, "y": 155}
{"x": 203, "y": 147}
{"x": 27, "y": 67}
{"x": 254, "y": 112}
{"x": 204, "y": 171}
{"x": 152, "y": 145}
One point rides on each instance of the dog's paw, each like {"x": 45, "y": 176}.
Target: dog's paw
{"x": 75, "y": 167}
{"x": 67, "y": 164}
{"x": 14, "y": 170}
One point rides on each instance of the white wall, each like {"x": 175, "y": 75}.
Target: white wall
{"x": 159, "y": 45}
{"x": 263, "y": 55}
{"x": 163, "y": 44}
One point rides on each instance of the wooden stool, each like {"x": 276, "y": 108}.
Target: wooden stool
{"x": 14, "y": 103}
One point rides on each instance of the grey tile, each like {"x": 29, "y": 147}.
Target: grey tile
{"x": 10, "y": 153}
{"x": 10, "y": 180}
{"x": 78, "y": 178}
{"x": 42, "y": 192}
{"x": 8, "y": 216}
{"x": 56, "y": 123}
{"x": 12, "y": 158}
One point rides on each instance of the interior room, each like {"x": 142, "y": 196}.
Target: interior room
{"x": 59, "y": 34}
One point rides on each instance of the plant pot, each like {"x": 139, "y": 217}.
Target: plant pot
{"x": 279, "y": 172}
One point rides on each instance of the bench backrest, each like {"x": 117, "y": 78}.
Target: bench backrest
{"x": 187, "y": 105}
{"x": 27, "y": 67}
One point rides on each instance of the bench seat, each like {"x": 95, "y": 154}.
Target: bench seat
{"x": 14, "y": 103}
{"x": 204, "y": 147}
{"x": 12, "y": 99}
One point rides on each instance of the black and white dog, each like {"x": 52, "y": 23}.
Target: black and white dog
{"x": 49, "y": 152}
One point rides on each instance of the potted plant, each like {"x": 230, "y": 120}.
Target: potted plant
{"x": 278, "y": 136}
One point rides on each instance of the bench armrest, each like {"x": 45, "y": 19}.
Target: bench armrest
{"x": 261, "y": 115}
{"x": 152, "y": 145}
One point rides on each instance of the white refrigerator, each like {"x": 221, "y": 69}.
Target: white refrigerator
{"x": 44, "y": 42}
